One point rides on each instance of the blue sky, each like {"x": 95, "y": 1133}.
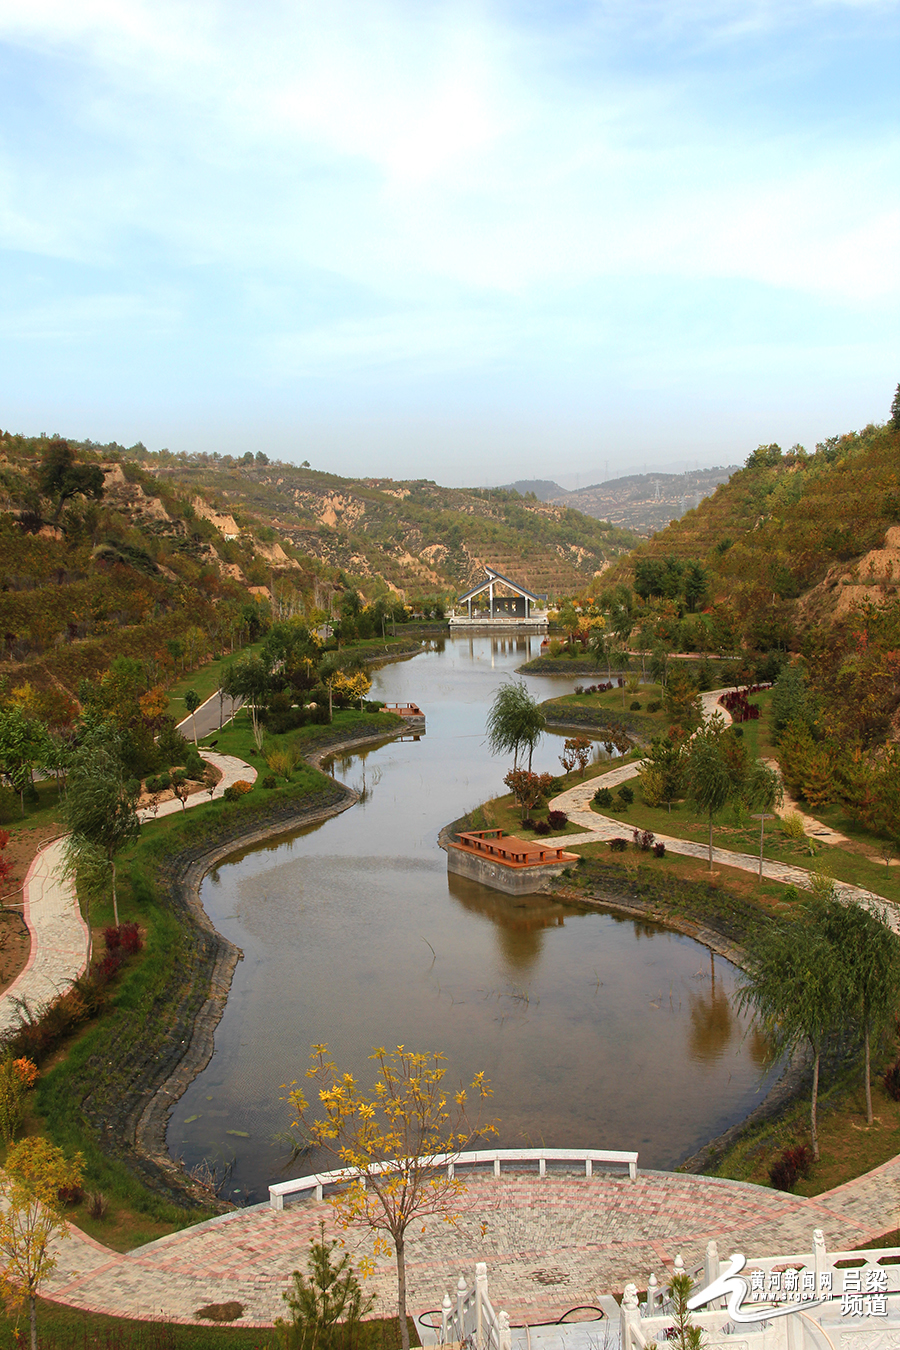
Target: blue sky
{"x": 463, "y": 241}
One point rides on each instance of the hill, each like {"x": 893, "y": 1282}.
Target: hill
{"x": 109, "y": 551}
{"x": 645, "y": 502}
{"x": 796, "y": 535}
{"x": 542, "y": 489}
{"x": 410, "y": 536}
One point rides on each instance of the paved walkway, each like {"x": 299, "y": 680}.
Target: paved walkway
{"x": 59, "y": 935}
{"x": 576, "y": 802}
{"x": 550, "y": 1244}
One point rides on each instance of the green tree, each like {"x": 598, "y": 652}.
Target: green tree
{"x": 515, "y": 721}
{"x": 680, "y": 698}
{"x": 718, "y": 771}
{"x": 327, "y": 1304}
{"x": 895, "y": 411}
{"x": 568, "y": 619}
{"x": 601, "y": 646}
{"x": 31, "y": 1218}
{"x": 250, "y": 678}
{"x": 792, "y": 700}
{"x": 395, "y": 1137}
{"x": 101, "y": 804}
{"x": 869, "y": 953}
{"x": 687, "y": 1336}
{"x": 797, "y": 989}
{"x": 663, "y": 771}
{"x": 61, "y": 477}
{"x": 696, "y": 586}
{"x": 24, "y": 743}
{"x": 192, "y": 702}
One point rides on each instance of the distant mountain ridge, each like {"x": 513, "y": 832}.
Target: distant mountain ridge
{"x": 544, "y": 490}
{"x": 647, "y": 502}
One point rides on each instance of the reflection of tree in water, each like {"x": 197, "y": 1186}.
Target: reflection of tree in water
{"x": 760, "y": 1048}
{"x": 519, "y": 920}
{"x": 712, "y": 1021}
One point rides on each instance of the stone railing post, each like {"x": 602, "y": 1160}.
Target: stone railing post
{"x": 461, "y": 1292}
{"x": 481, "y": 1288}
{"x": 653, "y": 1296}
{"x": 711, "y": 1269}
{"x": 629, "y": 1320}
{"x": 505, "y": 1333}
{"x": 446, "y": 1319}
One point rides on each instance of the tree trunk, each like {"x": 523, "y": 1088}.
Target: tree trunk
{"x": 194, "y": 726}
{"x": 869, "y": 1116}
{"x": 813, "y": 1120}
{"x": 401, "y": 1294}
{"x": 32, "y": 1317}
{"x": 330, "y": 705}
{"x": 112, "y": 863}
{"x": 710, "y": 840}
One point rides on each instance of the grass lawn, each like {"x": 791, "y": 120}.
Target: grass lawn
{"x": 848, "y": 1146}
{"x": 683, "y": 822}
{"x": 236, "y": 737}
{"x": 588, "y": 710}
{"x": 205, "y": 680}
{"x": 70, "y": 1329}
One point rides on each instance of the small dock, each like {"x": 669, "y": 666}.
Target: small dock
{"x": 410, "y": 712}
{"x": 506, "y": 863}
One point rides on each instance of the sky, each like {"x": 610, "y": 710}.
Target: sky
{"x": 470, "y": 241}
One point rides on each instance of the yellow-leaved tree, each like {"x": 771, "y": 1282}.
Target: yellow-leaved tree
{"x": 31, "y": 1217}
{"x": 394, "y": 1137}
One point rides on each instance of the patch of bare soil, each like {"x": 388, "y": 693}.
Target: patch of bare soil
{"x": 193, "y": 786}
{"x": 15, "y": 940}
{"x": 15, "y": 946}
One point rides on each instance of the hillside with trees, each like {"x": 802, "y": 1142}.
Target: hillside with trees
{"x": 171, "y": 559}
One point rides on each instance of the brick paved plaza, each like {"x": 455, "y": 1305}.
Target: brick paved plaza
{"x": 550, "y": 1243}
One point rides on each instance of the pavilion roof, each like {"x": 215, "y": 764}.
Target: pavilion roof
{"x": 493, "y": 576}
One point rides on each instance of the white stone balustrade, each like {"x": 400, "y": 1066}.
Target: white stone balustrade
{"x": 476, "y": 1158}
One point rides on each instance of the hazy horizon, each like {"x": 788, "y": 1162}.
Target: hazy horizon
{"x": 472, "y": 241}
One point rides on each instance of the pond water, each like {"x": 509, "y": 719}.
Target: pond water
{"x": 595, "y": 1031}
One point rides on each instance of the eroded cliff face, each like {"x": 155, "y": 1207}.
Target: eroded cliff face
{"x": 872, "y": 579}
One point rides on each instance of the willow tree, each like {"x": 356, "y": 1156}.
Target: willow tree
{"x": 798, "y": 990}
{"x": 515, "y": 722}
{"x": 394, "y": 1138}
{"x": 869, "y": 953}
{"x": 718, "y": 771}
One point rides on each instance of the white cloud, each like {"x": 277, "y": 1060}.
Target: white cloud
{"x": 389, "y": 185}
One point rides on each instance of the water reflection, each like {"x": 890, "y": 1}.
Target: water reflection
{"x": 519, "y": 921}
{"x": 594, "y": 1029}
{"x": 712, "y": 1021}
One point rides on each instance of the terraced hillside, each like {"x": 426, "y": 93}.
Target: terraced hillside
{"x": 794, "y": 534}
{"x": 107, "y": 552}
{"x": 412, "y": 536}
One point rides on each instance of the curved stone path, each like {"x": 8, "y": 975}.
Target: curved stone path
{"x": 597, "y": 828}
{"x": 59, "y": 935}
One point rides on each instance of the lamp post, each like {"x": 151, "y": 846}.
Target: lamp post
{"x": 762, "y": 817}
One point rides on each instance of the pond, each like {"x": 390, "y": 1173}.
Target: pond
{"x": 594, "y": 1030}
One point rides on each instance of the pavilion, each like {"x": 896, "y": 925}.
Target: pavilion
{"x": 509, "y": 605}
